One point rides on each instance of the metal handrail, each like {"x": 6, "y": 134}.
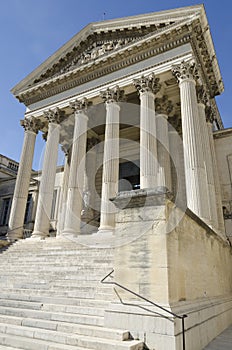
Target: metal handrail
{"x": 182, "y": 318}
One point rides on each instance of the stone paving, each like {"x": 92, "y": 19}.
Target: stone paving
{"x": 222, "y": 342}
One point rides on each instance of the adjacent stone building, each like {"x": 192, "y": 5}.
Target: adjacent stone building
{"x": 147, "y": 170}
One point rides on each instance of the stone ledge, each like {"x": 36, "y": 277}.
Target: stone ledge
{"x": 142, "y": 198}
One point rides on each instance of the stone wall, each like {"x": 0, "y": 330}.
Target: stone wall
{"x": 172, "y": 258}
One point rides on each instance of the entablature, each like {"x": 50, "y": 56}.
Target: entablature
{"x": 109, "y": 47}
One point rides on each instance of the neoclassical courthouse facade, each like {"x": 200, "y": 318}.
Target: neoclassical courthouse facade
{"x": 148, "y": 164}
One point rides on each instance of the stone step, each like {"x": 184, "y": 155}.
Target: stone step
{"x": 53, "y": 307}
{"x": 31, "y": 333}
{"x": 62, "y": 268}
{"x": 53, "y": 316}
{"x": 78, "y": 278}
{"x": 60, "y": 293}
{"x": 54, "y": 285}
{"x": 54, "y": 299}
{"x": 94, "y": 331}
{"x": 17, "y": 342}
{"x": 58, "y": 274}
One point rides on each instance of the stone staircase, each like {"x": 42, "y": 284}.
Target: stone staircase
{"x": 52, "y": 299}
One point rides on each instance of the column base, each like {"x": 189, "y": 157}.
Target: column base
{"x": 39, "y": 235}
{"x": 105, "y": 229}
{"x": 14, "y": 236}
{"x": 70, "y": 232}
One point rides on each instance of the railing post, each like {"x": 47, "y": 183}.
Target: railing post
{"x": 183, "y": 330}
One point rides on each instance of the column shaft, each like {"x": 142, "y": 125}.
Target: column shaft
{"x": 220, "y": 218}
{"x": 42, "y": 220}
{"x": 208, "y": 162}
{"x": 110, "y": 166}
{"x": 148, "y": 142}
{"x": 177, "y": 156}
{"x": 19, "y": 202}
{"x": 164, "y": 173}
{"x": 194, "y": 165}
{"x": 63, "y": 204}
{"x": 76, "y": 177}
{"x": 90, "y": 215}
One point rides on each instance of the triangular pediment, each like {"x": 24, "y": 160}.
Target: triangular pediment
{"x": 102, "y": 38}
{"x": 101, "y": 41}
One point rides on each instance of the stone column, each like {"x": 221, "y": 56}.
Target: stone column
{"x": 220, "y": 218}
{"x": 42, "y": 219}
{"x": 89, "y": 214}
{"x": 63, "y": 204}
{"x": 147, "y": 88}
{"x": 207, "y": 156}
{"x": 19, "y": 202}
{"x": 77, "y": 168}
{"x": 177, "y": 156}
{"x": 110, "y": 174}
{"x": 163, "y": 108}
{"x": 196, "y": 183}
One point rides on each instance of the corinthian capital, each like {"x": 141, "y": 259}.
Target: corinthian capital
{"x": 54, "y": 116}
{"x": 147, "y": 84}
{"x": 79, "y": 106}
{"x": 185, "y": 70}
{"x": 163, "y": 105}
{"x": 210, "y": 114}
{"x": 202, "y": 96}
{"x": 31, "y": 124}
{"x": 112, "y": 95}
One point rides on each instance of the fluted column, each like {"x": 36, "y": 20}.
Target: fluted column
{"x": 110, "y": 174}
{"x": 89, "y": 215}
{"x": 163, "y": 108}
{"x": 207, "y": 156}
{"x": 147, "y": 88}
{"x": 16, "y": 220}
{"x": 42, "y": 219}
{"x": 196, "y": 184}
{"x": 177, "y": 156}
{"x": 220, "y": 218}
{"x": 63, "y": 204}
{"x": 77, "y": 168}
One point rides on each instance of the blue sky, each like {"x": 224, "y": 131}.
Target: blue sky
{"x": 33, "y": 30}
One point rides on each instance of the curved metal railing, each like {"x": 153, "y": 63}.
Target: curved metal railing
{"x": 181, "y": 317}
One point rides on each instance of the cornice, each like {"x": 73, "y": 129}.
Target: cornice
{"x": 150, "y": 45}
